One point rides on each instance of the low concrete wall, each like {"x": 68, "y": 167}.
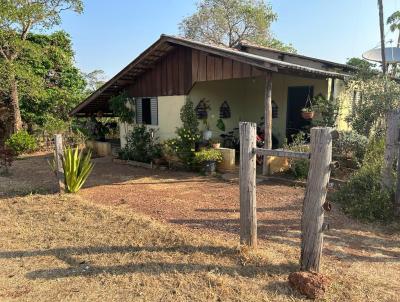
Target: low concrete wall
{"x": 100, "y": 148}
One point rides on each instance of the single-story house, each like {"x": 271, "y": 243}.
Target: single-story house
{"x": 235, "y": 83}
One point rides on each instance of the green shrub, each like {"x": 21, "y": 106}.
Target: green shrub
{"x": 350, "y": 145}
{"x": 77, "y": 168}
{"x": 208, "y": 155}
{"x": 188, "y": 135}
{"x": 140, "y": 146}
{"x": 362, "y": 196}
{"x": 21, "y": 142}
{"x": 298, "y": 167}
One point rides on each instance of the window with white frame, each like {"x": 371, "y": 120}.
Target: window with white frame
{"x": 147, "y": 111}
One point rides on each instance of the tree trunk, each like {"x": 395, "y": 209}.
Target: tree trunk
{"x": 382, "y": 31}
{"x": 392, "y": 126}
{"x": 267, "y": 121}
{"x": 14, "y": 104}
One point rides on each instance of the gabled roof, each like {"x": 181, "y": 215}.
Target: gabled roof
{"x": 146, "y": 60}
{"x": 246, "y": 45}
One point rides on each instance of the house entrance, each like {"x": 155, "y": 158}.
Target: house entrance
{"x": 297, "y": 97}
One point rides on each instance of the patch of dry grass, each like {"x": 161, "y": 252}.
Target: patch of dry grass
{"x": 64, "y": 248}
{"x": 56, "y": 248}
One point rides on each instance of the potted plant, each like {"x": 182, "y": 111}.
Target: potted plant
{"x": 215, "y": 143}
{"x": 207, "y": 133}
{"x": 307, "y": 113}
{"x": 208, "y": 159}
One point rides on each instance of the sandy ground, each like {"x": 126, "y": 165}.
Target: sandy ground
{"x": 368, "y": 255}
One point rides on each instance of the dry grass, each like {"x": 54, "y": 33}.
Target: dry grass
{"x": 64, "y": 248}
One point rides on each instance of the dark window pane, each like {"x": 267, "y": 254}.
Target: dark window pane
{"x": 146, "y": 111}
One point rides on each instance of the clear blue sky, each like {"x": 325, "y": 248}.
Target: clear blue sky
{"x": 111, "y": 33}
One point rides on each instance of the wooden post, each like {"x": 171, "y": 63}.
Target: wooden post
{"x": 312, "y": 218}
{"x": 396, "y": 206}
{"x": 392, "y": 126}
{"x": 247, "y": 183}
{"x": 267, "y": 121}
{"x": 58, "y": 161}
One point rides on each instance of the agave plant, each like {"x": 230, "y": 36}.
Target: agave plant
{"x": 77, "y": 168}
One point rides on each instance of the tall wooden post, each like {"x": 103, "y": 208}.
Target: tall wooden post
{"x": 247, "y": 183}
{"x": 397, "y": 195}
{"x": 392, "y": 126}
{"x": 267, "y": 121}
{"x": 58, "y": 161}
{"x": 312, "y": 218}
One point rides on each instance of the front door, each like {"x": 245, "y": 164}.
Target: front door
{"x": 297, "y": 98}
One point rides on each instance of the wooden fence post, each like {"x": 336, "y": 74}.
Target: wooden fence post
{"x": 58, "y": 161}
{"x": 312, "y": 219}
{"x": 397, "y": 195}
{"x": 247, "y": 183}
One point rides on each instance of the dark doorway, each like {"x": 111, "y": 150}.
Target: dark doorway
{"x": 297, "y": 98}
{"x": 146, "y": 111}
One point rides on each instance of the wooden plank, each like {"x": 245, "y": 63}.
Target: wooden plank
{"x": 236, "y": 70}
{"x": 227, "y": 68}
{"x": 195, "y": 64}
{"x": 175, "y": 73}
{"x": 312, "y": 218}
{"x": 267, "y": 122}
{"x": 189, "y": 81}
{"x": 164, "y": 83}
{"x": 170, "y": 77}
{"x": 181, "y": 70}
{"x": 282, "y": 153}
{"x": 247, "y": 184}
{"x": 202, "y": 76}
{"x": 210, "y": 68}
{"x": 246, "y": 71}
{"x": 59, "y": 151}
{"x": 392, "y": 122}
{"x": 218, "y": 68}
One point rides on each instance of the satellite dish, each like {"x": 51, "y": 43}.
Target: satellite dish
{"x": 392, "y": 55}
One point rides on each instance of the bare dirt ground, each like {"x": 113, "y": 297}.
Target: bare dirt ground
{"x": 362, "y": 260}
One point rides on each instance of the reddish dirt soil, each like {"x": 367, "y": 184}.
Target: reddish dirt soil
{"x": 212, "y": 205}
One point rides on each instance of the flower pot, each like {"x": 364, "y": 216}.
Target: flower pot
{"x": 307, "y": 115}
{"x": 209, "y": 167}
{"x": 207, "y": 134}
{"x": 216, "y": 145}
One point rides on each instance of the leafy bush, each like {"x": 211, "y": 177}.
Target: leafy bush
{"x": 188, "y": 135}
{"x": 328, "y": 109}
{"x": 77, "y": 168}
{"x": 21, "y": 142}
{"x": 298, "y": 167}
{"x": 140, "y": 145}
{"x": 208, "y": 155}
{"x": 362, "y": 196}
{"x": 350, "y": 145}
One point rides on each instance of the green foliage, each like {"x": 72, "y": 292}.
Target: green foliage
{"x": 77, "y": 168}
{"x": 328, "y": 110}
{"x": 188, "y": 135}
{"x": 21, "y": 142}
{"x": 350, "y": 145}
{"x": 140, "y": 145}
{"x": 221, "y": 125}
{"x": 206, "y": 155}
{"x": 298, "y": 167}
{"x": 230, "y": 22}
{"x": 365, "y": 69}
{"x": 379, "y": 95}
{"x": 123, "y": 107}
{"x": 189, "y": 117}
{"x": 362, "y": 196}
{"x": 26, "y": 63}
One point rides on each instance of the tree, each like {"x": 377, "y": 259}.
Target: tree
{"x": 230, "y": 22}
{"x": 94, "y": 80}
{"x": 17, "y": 19}
{"x": 55, "y": 85}
{"x": 394, "y": 24}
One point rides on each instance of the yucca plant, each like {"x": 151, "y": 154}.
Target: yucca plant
{"x": 77, "y": 168}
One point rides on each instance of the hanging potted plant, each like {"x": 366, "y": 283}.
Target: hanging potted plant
{"x": 307, "y": 113}
{"x": 207, "y": 133}
{"x": 208, "y": 159}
